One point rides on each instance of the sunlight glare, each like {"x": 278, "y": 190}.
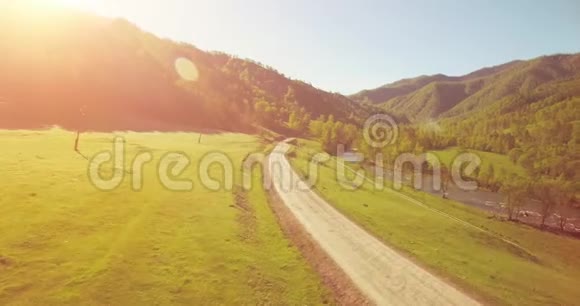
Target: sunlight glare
{"x": 84, "y": 5}
{"x": 186, "y": 69}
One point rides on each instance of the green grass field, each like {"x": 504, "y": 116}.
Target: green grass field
{"x": 65, "y": 242}
{"x": 544, "y": 271}
{"x": 501, "y": 163}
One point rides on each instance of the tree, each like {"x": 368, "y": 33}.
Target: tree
{"x": 487, "y": 177}
{"x": 290, "y": 96}
{"x": 564, "y": 197}
{"x": 328, "y": 137}
{"x": 552, "y": 193}
{"x": 445, "y": 180}
{"x": 299, "y": 120}
{"x": 338, "y": 133}
{"x": 82, "y": 121}
{"x": 293, "y": 121}
{"x": 315, "y": 127}
{"x": 349, "y": 133}
{"x": 491, "y": 181}
{"x": 541, "y": 191}
{"x": 515, "y": 192}
{"x": 265, "y": 113}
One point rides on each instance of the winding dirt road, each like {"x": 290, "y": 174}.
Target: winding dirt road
{"x": 381, "y": 274}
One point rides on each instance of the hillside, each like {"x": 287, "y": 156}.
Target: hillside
{"x": 527, "y": 110}
{"x": 85, "y": 72}
{"x": 440, "y": 96}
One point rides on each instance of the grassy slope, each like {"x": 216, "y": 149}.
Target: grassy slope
{"x": 64, "y": 242}
{"x": 500, "y": 162}
{"x": 478, "y": 262}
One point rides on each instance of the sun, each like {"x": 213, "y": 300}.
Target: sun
{"x": 84, "y": 5}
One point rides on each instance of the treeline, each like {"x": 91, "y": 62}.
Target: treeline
{"x": 332, "y": 133}
{"x": 556, "y": 196}
{"x": 540, "y": 138}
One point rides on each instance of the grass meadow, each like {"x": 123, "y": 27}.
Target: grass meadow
{"x": 501, "y": 163}
{"x": 65, "y": 242}
{"x": 543, "y": 270}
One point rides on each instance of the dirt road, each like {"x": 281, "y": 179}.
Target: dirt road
{"x": 383, "y": 275}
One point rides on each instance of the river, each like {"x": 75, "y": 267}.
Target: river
{"x": 490, "y": 201}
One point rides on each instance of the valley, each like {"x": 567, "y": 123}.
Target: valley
{"x": 140, "y": 168}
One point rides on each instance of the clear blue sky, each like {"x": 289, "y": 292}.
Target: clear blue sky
{"x": 347, "y": 46}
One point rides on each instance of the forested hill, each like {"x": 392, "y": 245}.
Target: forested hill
{"x": 80, "y": 71}
{"x": 509, "y": 87}
{"x": 529, "y": 110}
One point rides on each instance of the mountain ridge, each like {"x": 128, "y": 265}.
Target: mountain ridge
{"x": 440, "y": 96}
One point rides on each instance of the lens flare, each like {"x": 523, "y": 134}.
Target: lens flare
{"x": 186, "y": 69}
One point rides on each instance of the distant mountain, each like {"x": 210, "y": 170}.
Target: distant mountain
{"x": 440, "y": 96}
{"x": 81, "y": 71}
{"x": 528, "y": 110}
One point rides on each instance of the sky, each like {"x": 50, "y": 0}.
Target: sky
{"x": 346, "y": 46}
